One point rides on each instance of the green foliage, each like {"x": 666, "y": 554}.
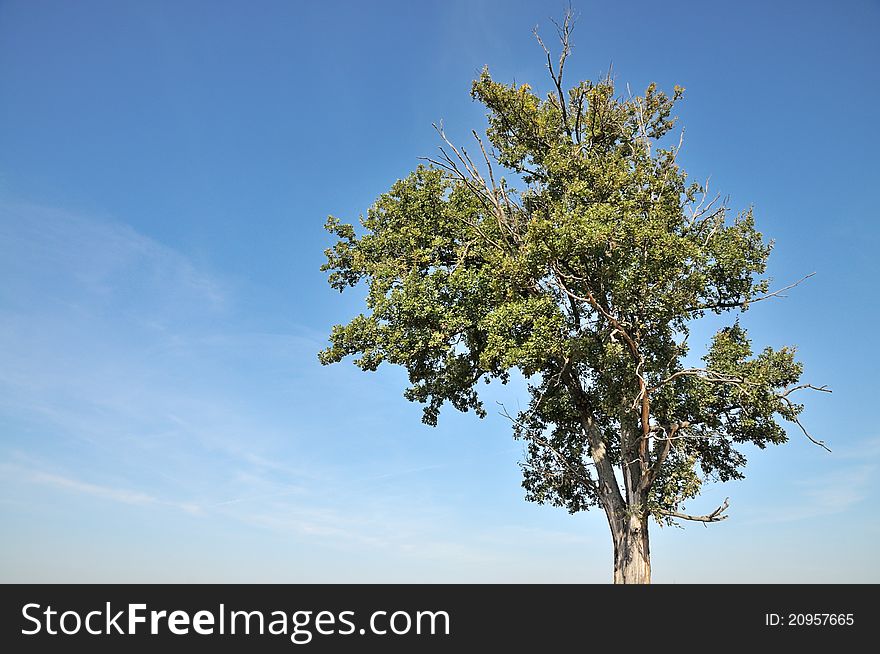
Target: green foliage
{"x": 585, "y": 281}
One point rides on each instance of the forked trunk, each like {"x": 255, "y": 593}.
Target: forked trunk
{"x": 632, "y": 555}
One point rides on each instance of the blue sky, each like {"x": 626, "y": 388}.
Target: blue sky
{"x": 165, "y": 172}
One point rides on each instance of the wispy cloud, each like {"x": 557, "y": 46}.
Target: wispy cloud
{"x": 103, "y": 260}
{"x": 110, "y": 493}
{"x": 862, "y": 449}
{"x": 131, "y": 377}
{"x": 831, "y": 493}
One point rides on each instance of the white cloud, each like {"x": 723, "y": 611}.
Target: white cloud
{"x": 122, "y": 495}
{"x": 832, "y": 493}
{"x": 59, "y": 252}
{"x": 128, "y": 377}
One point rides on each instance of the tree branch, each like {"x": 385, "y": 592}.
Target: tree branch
{"x": 609, "y": 491}
{"x": 815, "y": 441}
{"x": 705, "y": 374}
{"x": 798, "y": 422}
{"x": 654, "y": 470}
{"x": 745, "y": 303}
{"x": 642, "y": 401}
{"x": 490, "y": 195}
{"x": 564, "y": 32}
{"x": 716, "y": 516}
{"x": 784, "y": 397}
{"x": 823, "y": 388}
{"x": 580, "y": 474}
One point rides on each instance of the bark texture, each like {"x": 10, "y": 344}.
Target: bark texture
{"x": 632, "y": 554}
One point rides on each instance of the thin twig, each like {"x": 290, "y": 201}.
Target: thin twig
{"x": 746, "y": 302}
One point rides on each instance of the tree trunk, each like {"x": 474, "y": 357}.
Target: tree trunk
{"x": 632, "y": 556}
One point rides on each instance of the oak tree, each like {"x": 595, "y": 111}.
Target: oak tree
{"x": 570, "y": 246}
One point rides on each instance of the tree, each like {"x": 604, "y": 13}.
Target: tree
{"x": 585, "y": 275}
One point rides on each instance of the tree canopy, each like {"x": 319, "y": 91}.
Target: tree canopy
{"x": 573, "y": 248}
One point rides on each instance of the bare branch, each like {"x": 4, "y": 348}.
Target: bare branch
{"x": 809, "y": 436}
{"x": 784, "y": 397}
{"x": 485, "y": 158}
{"x": 497, "y": 194}
{"x": 564, "y": 32}
{"x": 643, "y": 128}
{"x": 824, "y": 389}
{"x": 491, "y": 194}
{"x": 659, "y": 194}
{"x": 745, "y": 303}
{"x": 705, "y": 374}
{"x": 716, "y": 516}
{"x": 701, "y": 209}
{"x": 670, "y": 435}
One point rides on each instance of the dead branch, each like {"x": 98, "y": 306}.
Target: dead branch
{"x": 796, "y": 420}
{"x": 564, "y": 32}
{"x": 716, "y": 516}
{"x": 648, "y": 479}
{"x": 824, "y": 389}
{"x": 705, "y": 374}
{"x": 491, "y": 194}
{"x": 745, "y": 303}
